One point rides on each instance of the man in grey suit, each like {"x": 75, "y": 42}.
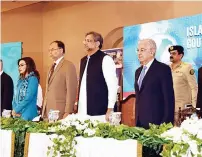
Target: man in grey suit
{"x": 61, "y": 83}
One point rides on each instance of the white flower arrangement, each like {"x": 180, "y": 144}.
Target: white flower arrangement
{"x": 187, "y": 138}
{"x": 89, "y": 132}
{"x": 184, "y": 141}
{"x": 80, "y": 122}
{"x": 80, "y": 125}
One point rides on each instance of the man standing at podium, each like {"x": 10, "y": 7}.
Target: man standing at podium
{"x": 153, "y": 87}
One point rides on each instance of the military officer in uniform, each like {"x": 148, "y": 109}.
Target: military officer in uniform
{"x": 184, "y": 81}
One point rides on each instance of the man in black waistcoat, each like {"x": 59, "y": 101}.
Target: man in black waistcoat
{"x": 155, "y": 101}
{"x": 98, "y": 83}
{"x": 6, "y": 89}
{"x": 199, "y": 98}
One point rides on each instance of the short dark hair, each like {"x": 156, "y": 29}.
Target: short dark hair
{"x": 97, "y": 37}
{"x": 31, "y": 66}
{"x": 60, "y": 44}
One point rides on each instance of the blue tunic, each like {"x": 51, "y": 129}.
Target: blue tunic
{"x": 27, "y": 107}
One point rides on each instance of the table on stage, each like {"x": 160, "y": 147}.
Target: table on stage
{"x": 36, "y": 144}
{"x": 7, "y": 138}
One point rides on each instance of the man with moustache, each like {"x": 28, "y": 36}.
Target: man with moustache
{"x": 199, "y": 97}
{"x": 153, "y": 87}
{"x": 98, "y": 83}
{"x": 184, "y": 81}
{"x": 61, "y": 83}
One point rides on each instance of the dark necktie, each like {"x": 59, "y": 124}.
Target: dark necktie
{"x": 51, "y": 71}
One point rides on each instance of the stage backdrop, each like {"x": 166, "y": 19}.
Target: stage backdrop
{"x": 10, "y": 53}
{"x": 185, "y": 31}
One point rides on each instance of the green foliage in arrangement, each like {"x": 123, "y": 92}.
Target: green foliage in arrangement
{"x": 63, "y": 136}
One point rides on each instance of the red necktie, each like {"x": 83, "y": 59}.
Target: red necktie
{"x": 51, "y": 71}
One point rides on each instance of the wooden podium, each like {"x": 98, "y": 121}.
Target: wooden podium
{"x": 127, "y": 107}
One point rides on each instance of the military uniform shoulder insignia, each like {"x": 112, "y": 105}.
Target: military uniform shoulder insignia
{"x": 192, "y": 71}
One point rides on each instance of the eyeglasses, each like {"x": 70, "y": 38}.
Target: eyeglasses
{"x": 21, "y": 65}
{"x": 51, "y": 50}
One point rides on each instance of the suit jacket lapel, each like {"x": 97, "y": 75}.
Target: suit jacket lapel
{"x": 47, "y": 76}
{"x": 137, "y": 77}
{"x": 56, "y": 70}
{"x": 149, "y": 73}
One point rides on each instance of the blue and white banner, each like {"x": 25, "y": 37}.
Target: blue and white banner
{"x": 185, "y": 31}
{"x": 10, "y": 53}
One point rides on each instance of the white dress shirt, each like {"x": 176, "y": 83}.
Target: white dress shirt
{"x": 1, "y": 72}
{"x": 109, "y": 72}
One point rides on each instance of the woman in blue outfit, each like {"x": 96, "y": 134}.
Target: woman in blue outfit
{"x": 24, "y": 102}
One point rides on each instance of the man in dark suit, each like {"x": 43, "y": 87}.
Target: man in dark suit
{"x": 199, "y": 97}
{"x": 153, "y": 87}
{"x": 6, "y": 89}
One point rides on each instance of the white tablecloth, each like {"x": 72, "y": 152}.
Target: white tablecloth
{"x": 6, "y": 143}
{"x": 86, "y": 147}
